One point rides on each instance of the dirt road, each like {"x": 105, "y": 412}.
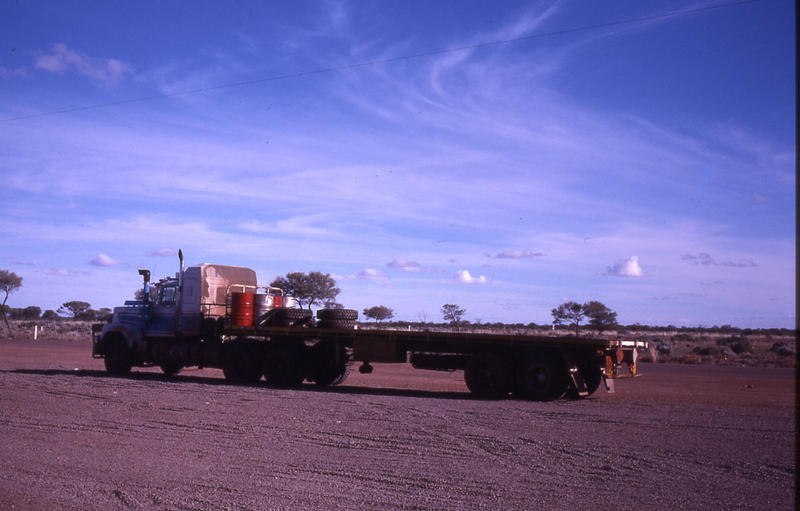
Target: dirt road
{"x": 680, "y": 437}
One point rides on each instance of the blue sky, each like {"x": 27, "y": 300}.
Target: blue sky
{"x": 648, "y": 165}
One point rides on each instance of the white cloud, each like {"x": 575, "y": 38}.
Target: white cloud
{"x": 464, "y": 277}
{"x": 64, "y": 273}
{"x": 62, "y": 59}
{"x": 370, "y": 274}
{"x": 404, "y": 265}
{"x": 628, "y": 268}
{"x": 103, "y": 260}
{"x": 163, "y": 252}
{"x": 516, "y": 254}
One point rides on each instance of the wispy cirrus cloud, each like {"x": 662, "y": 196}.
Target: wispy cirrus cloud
{"x": 516, "y": 254}
{"x": 62, "y": 59}
{"x": 17, "y": 71}
{"x": 62, "y": 272}
{"x": 163, "y": 252}
{"x": 703, "y": 259}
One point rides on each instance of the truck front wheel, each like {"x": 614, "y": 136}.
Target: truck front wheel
{"x": 118, "y": 358}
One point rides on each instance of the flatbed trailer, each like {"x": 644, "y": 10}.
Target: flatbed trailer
{"x": 530, "y": 366}
{"x": 215, "y": 316}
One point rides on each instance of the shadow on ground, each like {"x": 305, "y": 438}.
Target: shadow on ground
{"x": 157, "y": 377}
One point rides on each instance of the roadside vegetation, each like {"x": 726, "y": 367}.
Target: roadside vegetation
{"x": 725, "y": 344}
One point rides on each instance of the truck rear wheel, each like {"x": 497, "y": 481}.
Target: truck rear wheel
{"x": 283, "y": 366}
{"x": 487, "y": 375}
{"x": 241, "y": 363}
{"x": 541, "y": 376}
{"x": 118, "y": 358}
{"x": 329, "y": 364}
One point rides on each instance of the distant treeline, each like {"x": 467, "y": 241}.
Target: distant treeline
{"x": 632, "y": 329}
{"x": 34, "y": 312}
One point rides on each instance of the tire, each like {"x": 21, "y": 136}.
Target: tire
{"x": 592, "y": 376}
{"x": 291, "y": 317}
{"x": 329, "y": 363}
{"x": 336, "y": 323}
{"x": 541, "y": 376}
{"x": 283, "y": 366}
{"x": 118, "y": 359}
{"x": 487, "y": 375}
{"x": 241, "y": 363}
{"x": 171, "y": 368}
{"x": 337, "y": 314}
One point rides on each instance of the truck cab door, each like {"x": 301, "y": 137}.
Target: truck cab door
{"x": 162, "y": 317}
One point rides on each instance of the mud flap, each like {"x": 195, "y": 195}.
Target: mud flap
{"x": 577, "y": 383}
{"x": 609, "y": 384}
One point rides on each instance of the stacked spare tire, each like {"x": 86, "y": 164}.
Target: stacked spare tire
{"x": 337, "y": 318}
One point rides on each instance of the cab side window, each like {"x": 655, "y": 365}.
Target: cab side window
{"x": 166, "y": 295}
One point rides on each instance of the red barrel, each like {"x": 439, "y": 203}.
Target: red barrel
{"x": 242, "y": 309}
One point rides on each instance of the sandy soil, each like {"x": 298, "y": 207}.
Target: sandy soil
{"x": 679, "y": 437}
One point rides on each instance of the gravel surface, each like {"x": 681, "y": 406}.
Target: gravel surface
{"x": 679, "y": 437}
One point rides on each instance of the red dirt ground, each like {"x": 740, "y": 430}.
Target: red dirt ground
{"x": 679, "y": 437}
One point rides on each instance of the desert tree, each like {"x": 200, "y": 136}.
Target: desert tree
{"x": 74, "y": 307}
{"x": 379, "y": 313}
{"x": 568, "y": 313}
{"x": 452, "y": 313}
{"x": 600, "y": 317}
{"x": 9, "y": 282}
{"x": 30, "y": 312}
{"x": 308, "y": 288}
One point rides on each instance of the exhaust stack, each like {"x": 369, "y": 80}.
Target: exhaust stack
{"x": 146, "y": 287}
{"x": 179, "y": 304}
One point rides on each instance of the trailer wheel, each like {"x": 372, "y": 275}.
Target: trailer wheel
{"x": 592, "y": 377}
{"x": 240, "y": 363}
{"x": 329, "y": 363}
{"x": 487, "y": 375}
{"x": 171, "y": 368}
{"x": 283, "y": 366}
{"x": 541, "y": 376}
{"x": 118, "y": 359}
